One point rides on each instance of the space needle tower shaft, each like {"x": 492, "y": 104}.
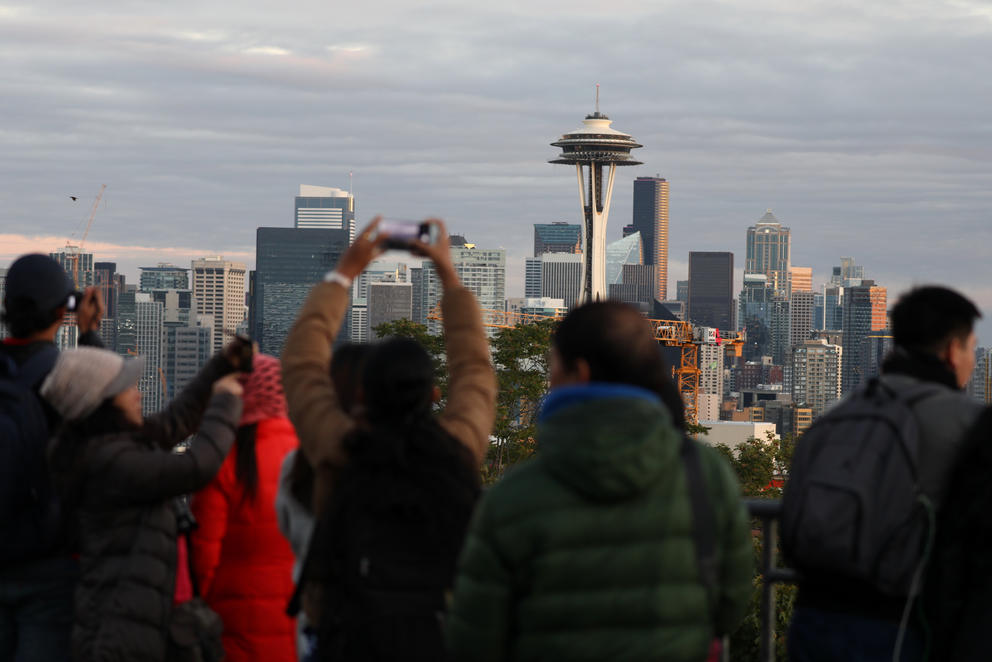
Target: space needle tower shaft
{"x": 595, "y": 150}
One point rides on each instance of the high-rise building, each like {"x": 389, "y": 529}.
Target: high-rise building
{"x": 417, "y": 290}
{"x": 864, "y": 314}
{"x": 219, "y": 290}
{"x": 636, "y": 286}
{"x": 362, "y": 330}
{"x": 388, "y": 301}
{"x": 558, "y": 237}
{"x": 545, "y": 306}
{"x": 187, "y": 339}
{"x": 682, "y": 291}
{"x": 77, "y": 264}
{"x": 847, "y": 274}
{"x": 481, "y": 270}
{"x": 769, "y": 248}
{"x": 650, "y": 218}
{"x": 532, "y": 277}
{"x": 779, "y": 330}
{"x": 127, "y": 321}
{"x": 150, "y": 334}
{"x": 815, "y": 370}
{"x": 833, "y": 308}
{"x": 561, "y": 277}
{"x": 711, "y": 283}
{"x": 800, "y": 317}
{"x": 980, "y": 384}
{"x": 164, "y": 276}
{"x": 801, "y": 279}
{"x": 324, "y": 207}
{"x": 288, "y": 263}
{"x": 106, "y": 280}
{"x": 622, "y": 252}
{"x": 710, "y": 360}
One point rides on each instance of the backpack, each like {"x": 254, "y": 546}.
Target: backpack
{"x": 853, "y": 506}
{"x": 29, "y": 513}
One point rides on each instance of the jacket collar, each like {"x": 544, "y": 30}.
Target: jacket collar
{"x": 567, "y": 396}
{"x": 921, "y": 365}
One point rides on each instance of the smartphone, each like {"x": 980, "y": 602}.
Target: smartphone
{"x": 246, "y": 353}
{"x": 72, "y": 303}
{"x": 403, "y": 233}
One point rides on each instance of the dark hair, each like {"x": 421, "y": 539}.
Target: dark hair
{"x": 619, "y": 347}
{"x": 399, "y": 436}
{"x": 346, "y": 375}
{"x": 72, "y": 441}
{"x": 927, "y": 318}
{"x": 245, "y": 459}
{"x": 23, "y": 319}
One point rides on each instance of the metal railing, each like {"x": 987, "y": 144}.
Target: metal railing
{"x": 769, "y": 511}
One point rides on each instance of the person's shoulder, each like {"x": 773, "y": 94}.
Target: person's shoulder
{"x": 525, "y": 487}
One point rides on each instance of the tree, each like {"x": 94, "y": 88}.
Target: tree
{"x": 520, "y": 354}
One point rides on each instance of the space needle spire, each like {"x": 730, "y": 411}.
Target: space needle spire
{"x": 591, "y": 148}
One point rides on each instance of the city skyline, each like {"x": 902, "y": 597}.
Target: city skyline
{"x": 202, "y": 121}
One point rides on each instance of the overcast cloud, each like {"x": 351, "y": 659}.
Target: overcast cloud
{"x": 865, "y": 128}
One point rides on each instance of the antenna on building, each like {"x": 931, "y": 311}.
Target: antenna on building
{"x": 597, "y": 98}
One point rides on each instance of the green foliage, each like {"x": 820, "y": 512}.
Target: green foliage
{"x": 695, "y": 429}
{"x": 745, "y": 642}
{"x": 520, "y": 354}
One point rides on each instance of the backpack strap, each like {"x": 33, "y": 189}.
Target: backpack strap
{"x": 703, "y": 524}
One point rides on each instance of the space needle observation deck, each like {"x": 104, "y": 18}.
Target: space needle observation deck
{"x": 591, "y": 148}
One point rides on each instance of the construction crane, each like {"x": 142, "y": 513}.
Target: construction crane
{"x": 73, "y": 250}
{"x": 671, "y": 333}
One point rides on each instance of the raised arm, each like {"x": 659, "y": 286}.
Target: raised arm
{"x": 471, "y": 406}
{"x": 181, "y": 418}
{"x": 137, "y": 473}
{"x": 320, "y": 422}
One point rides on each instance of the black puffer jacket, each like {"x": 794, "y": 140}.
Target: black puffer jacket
{"x": 127, "y": 524}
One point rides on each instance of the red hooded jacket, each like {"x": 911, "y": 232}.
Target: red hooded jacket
{"x": 243, "y": 564}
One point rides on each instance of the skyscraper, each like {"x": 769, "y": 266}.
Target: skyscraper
{"x": 77, "y": 264}
{"x": 800, "y": 317}
{"x": 558, "y": 237}
{"x": 388, "y": 301}
{"x": 710, "y": 382}
{"x": 187, "y": 338}
{"x": 864, "y": 313}
{"x": 801, "y": 279}
{"x": 650, "y": 218}
{"x": 848, "y": 273}
{"x": 288, "y": 262}
{"x": 377, "y": 272}
{"x": 106, "y": 279}
{"x": 561, "y": 277}
{"x": 711, "y": 283}
{"x": 325, "y": 208}
{"x": 481, "y": 270}
{"x": 769, "y": 247}
{"x": 150, "y": 332}
{"x": 164, "y": 276}
{"x": 219, "y": 290}
{"x": 816, "y": 368}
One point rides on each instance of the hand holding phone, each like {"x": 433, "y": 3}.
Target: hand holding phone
{"x": 401, "y": 235}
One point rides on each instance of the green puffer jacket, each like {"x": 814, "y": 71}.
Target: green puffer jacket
{"x": 586, "y": 552}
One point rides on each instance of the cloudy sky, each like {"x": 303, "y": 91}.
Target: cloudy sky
{"x": 865, "y": 126}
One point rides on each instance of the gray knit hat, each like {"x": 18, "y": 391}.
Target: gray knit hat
{"x": 86, "y": 376}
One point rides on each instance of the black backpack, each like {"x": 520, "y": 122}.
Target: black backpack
{"x": 30, "y": 523}
{"x": 853, "y": 506}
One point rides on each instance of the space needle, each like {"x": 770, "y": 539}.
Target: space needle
{"x": 590, "y": 148}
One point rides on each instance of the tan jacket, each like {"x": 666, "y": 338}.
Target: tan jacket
{"x": 320, "y": 422}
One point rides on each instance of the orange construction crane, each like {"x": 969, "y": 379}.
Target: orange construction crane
{"x": 76, "y": 249}
{"x": 671, "y": 333}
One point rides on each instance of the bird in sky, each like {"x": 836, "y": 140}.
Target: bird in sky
{"x": 74, "y": 198}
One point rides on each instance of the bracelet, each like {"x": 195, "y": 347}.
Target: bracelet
{"x": 337, "y": 277}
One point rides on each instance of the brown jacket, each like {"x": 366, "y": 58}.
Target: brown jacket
{"x": 320, "y": 422}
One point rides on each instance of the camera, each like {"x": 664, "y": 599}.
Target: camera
{"x": 72, "y": 302}
{"x": 401, "y": 234}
